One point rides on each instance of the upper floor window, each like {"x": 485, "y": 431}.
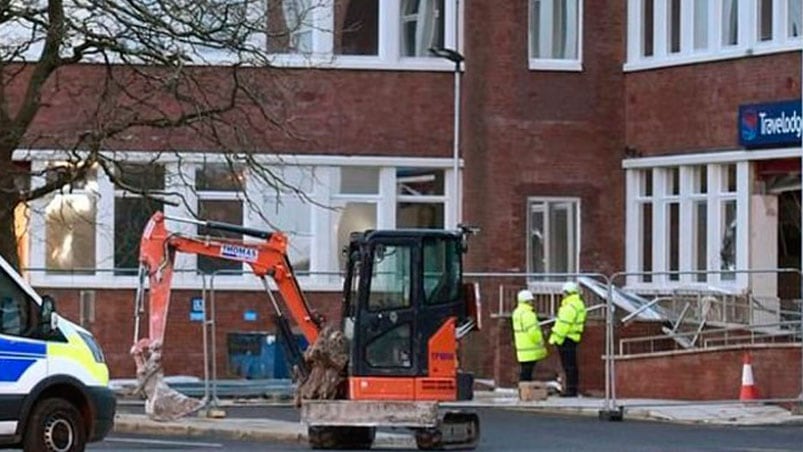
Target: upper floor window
{"x": 555, "y": 34}
{"x": 356, "y": 27}
{"x": 290, "y": 26}
{"x": 669, "y": 32}
{"x": 393, "y": 32}
{"x": 422, "y": 26}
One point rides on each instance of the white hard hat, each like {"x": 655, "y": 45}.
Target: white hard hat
{"x": 570, "y": 287}
{"x": 525, "y": 296}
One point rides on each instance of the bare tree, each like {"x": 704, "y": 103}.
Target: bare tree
{"x": 151, "y": 75}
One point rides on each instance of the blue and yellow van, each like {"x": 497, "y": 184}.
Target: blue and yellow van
{"x": 54, "y": 393}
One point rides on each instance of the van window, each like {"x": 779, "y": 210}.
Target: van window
{"x": 18, "y": 313}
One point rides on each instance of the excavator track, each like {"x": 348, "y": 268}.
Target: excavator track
{"x": 456, "y": 431}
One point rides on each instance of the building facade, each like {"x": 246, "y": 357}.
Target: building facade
{"x": 647, "y": 136}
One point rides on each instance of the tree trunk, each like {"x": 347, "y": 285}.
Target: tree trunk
{"x": 8, "y": 236}
{"x": 8, "y": 233}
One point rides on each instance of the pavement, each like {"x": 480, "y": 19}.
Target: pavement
{"x": 261, "y": 429}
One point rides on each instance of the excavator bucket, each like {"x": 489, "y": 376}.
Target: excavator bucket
{"x": 162, "y": 402}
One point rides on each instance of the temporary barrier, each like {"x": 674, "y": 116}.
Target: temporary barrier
{"x": 700, "y": 330}
{"x": 669, "y": 315}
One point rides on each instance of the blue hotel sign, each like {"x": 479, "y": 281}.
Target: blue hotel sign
{"x": 777, "y": 123}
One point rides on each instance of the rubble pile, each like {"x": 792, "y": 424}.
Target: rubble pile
{"x": 326, "y": 360}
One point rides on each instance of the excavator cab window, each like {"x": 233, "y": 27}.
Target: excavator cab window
{"x": 351, "y": 291}
{"x": 441, "y": 270}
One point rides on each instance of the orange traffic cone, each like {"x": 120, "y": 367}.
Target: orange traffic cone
{"x": 749, "y": 391}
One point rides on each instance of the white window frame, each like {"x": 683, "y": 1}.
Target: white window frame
{"x": 748, "y": 40}
{"x": 322, "y": 56}
{"x": 715, "y": 198}
{"x": 389, "y": 51}
{"x": 573, "y": 253}
{"x": 545, "y": 28}
{"x": 322, "y": 262}
{"x": 38, "y": 219}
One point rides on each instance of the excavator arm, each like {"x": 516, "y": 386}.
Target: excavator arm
{"x": 158, "y": 246}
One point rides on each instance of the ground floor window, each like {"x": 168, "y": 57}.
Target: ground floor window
{"x": 92, "y": 231}
{"x": 688, "y": 222}
{"x": 553, "y": 235}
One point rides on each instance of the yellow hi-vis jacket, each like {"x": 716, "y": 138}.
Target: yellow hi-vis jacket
{"x": 527, "y": 334}
{"x": 571, "y": 320}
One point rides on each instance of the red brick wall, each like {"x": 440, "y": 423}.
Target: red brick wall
{"x": 114, "y": 325}
{"x": 714, "y": 374}
{"x": 329, "y": 111}
{"x": 542, "y": 133}
{"x": 694, "y": 107}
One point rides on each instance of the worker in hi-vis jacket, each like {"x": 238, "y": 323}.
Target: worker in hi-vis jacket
{"x": 566, "y": 334}
{"x": 527, "y": 337}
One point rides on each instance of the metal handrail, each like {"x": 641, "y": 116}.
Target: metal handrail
{"x": 651, "y": 339}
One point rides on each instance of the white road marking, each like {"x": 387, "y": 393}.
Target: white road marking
{"x": 161, "y": 442}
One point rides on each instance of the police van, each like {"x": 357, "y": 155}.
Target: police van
{"x": 54, "y": 393}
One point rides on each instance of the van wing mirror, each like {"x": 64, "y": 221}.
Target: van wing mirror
{"x": 49, "y": 319}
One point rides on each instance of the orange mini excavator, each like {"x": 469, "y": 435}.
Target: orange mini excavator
{"x": 404, "y": 309}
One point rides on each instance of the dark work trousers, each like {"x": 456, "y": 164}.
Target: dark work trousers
{"x": 526, "y": 370}
{"x": 568, "y": 358}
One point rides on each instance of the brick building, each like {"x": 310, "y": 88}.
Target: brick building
{"x": 594, "y": 137}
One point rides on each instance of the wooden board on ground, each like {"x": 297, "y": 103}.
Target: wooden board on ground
{"x": 532, "y": 390}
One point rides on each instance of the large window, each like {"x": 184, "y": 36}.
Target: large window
{"x": 555, "y": 34}
{"x": 96, "y": 226}
{"x": 355, "y": 204}
{"x": 220, "y": 187}
{"x": 684, "y": 222}
{"x": 420, "y": 194}
{"x": 133, "y": 209}
{"x": 70, "y": 230}
{"x": 287, "y": 206}
{"x": 669, "y": 32}
{"x": 553, "y": 226}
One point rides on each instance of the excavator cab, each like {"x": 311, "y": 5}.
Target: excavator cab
{"x": 403, "y": 306}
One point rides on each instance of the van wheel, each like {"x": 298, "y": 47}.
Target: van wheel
{"x": 55, "y": 426}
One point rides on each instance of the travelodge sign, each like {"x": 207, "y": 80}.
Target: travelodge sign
{"x": 777, "y": 123}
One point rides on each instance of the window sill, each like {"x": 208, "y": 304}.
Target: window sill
{"x": 724, "y": 54}
{"x": 180, "y": 282}
{"x": 320, "y": 61}
{"x": 556, "y": 65}
{"x": 358, "y": 62}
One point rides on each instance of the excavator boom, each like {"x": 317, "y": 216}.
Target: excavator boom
{"x": 158, "y": 246}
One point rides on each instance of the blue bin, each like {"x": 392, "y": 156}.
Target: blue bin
{"x": 256, "y": 356}
{"x": 252, "y": 355}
